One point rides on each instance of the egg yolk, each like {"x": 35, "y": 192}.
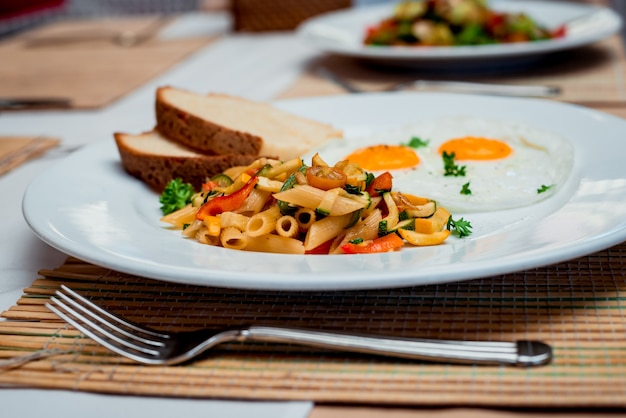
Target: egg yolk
{"x": 384, "y": 157}
{"x": 476, "y": 148}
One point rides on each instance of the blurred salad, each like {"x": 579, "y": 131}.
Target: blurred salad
{"x": 454, "y": 22}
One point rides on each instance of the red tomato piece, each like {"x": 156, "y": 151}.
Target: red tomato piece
{"x": 381, "y": 184}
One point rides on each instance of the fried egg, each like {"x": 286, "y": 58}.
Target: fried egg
{"x": 505, "y": 164}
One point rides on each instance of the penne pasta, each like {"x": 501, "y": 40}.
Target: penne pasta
{"x": 233, "y": 238}
{"x": 305, "y": 218}
{"x": 192, "y": 228}
{"x": 204, "y": 237}
{"x": 311, "y": 197}
{"x": 275, "y": 244}
{"x": 235, "y": 220}
{"x": 365, "y": 229}
{"x": 324, "y": 230}
{"x": 392, "y": 217}
{"x": 255, "y": 201}
{"x": 287, "y": 226}
{"x": 181, "y": 217}
{"x": 263, "y": 223}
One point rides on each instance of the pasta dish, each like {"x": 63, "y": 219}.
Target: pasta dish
{"x": 289, "y": 207}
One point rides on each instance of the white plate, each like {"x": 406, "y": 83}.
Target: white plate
{"x": 342, "y": 32}
{"x": 88, "y": 207}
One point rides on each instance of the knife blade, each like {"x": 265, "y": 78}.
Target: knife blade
{"x": 19, "y": 103}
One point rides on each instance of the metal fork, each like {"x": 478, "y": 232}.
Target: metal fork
{"x": 450, "y": 86}
{"x": 154, "y": 347}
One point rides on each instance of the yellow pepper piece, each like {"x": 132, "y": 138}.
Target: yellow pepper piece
{"x": 213, "y": 225}
{"x": 435, "y": 223}
{"x": 416, "y": 238}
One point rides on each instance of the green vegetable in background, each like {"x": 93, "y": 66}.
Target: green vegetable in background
{"x": 176, "y": 195}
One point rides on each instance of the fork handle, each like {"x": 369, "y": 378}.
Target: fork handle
{"x": 520, "y": 353}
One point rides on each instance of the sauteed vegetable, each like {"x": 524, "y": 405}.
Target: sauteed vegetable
{"x": 454, "y": 23}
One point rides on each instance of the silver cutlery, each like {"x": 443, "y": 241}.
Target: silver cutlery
{"x": 19, "y": 103}
{"x": 150, "y": 346}
{"x": 451, "y": 86}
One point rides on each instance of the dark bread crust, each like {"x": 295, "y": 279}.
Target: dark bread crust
{"x": 200, "y": 134}
{"x": 158, "y": 170}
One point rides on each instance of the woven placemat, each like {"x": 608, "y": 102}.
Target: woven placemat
{"x": 575, "y": 306}
{"x": 83, "y": 54}
{"x": 15, "y": 150}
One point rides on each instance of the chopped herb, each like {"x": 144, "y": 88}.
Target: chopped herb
{"x": 450, "y": 168}
{"x": 369, "y": 179}
{"x": 176, "y": 195}
{"x": 544, "y": 188}
{"x": 465, "y": 189}
{"x": 352, "y": 189}
{"x": 356, "y": 241}
{"x": 382, "y": 228}
{"x": 417, "y": 142}
{"x": 462, "y": 227}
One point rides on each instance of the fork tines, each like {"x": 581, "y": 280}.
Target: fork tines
{"x": 113, "y": 332}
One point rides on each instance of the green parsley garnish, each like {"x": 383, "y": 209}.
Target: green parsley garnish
{"x": 465, "y": 189}
{"x": 417, "y": 142}
{"x": 451, "y": 169}
{"x": 544, "y": 188}
{"x": 462, "y": 227}
{"x": 356, "y": 241}
{"x": 176, "y": 195}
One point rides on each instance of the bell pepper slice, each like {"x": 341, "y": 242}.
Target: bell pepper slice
{"x": 381, "y": 184}
{"x": 227, "y": 203}
{"x": 323, "y": 248}
{"x": 383, "y": 244}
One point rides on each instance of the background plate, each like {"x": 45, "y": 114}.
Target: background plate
{"x": 342, "y": 33}
{"x": 88, "y": 207}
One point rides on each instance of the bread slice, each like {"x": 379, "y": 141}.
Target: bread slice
{"x": 156, "y": 160}
{"x": 223, "y": 124}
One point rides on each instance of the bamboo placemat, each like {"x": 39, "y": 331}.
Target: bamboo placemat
{"x": 92, "y": 71}
{"x": 575, "y": 306}
{"x": 592, "y": 76}
{"x": 15, "y": 150}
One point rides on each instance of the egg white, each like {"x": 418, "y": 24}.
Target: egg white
{"x": 538, "y": 158}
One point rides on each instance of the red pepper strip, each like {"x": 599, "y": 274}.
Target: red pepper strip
{"x": 380, "y": 184}
{"x": 226, "y": 203}
{"x": 390, "y": 242}
{"x": 559, "y": 32}
{"x": 323, "y": 248}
